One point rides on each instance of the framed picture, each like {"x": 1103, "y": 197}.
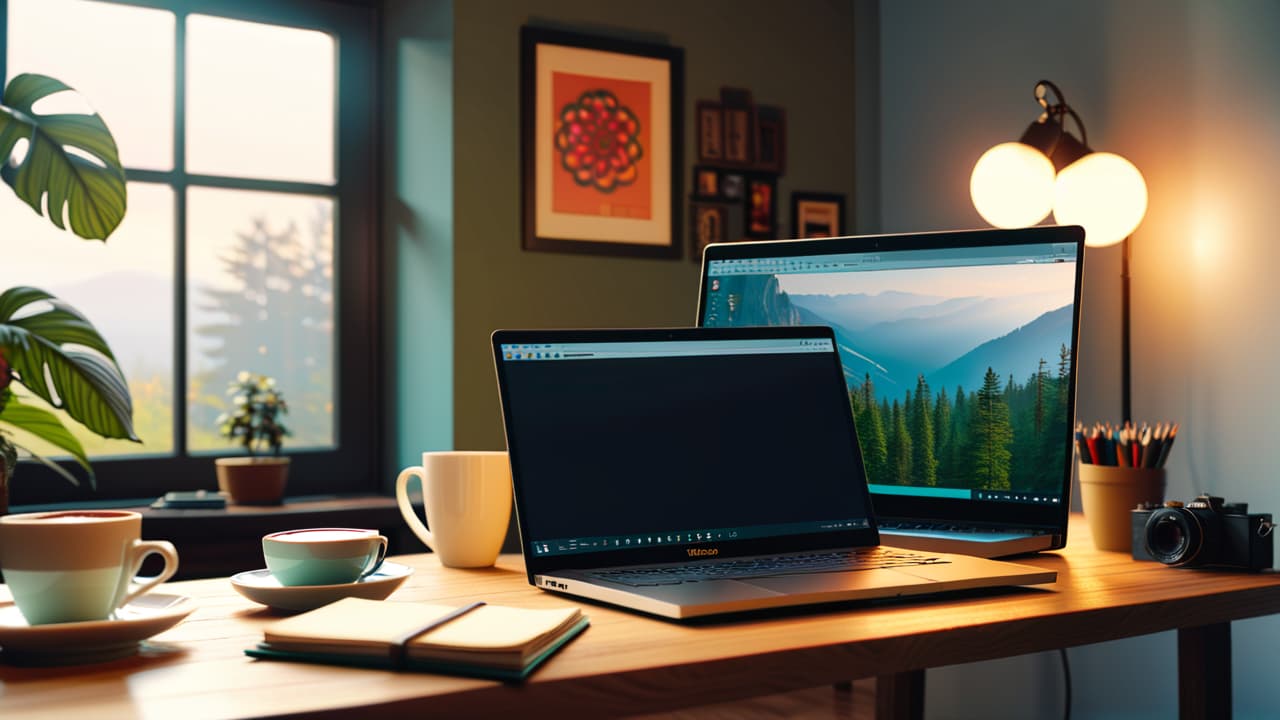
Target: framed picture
{"x": 709, "y": 223}
{"x": 731, "y": 184}
{"x": 739, "y": 129}
{"x": 706, "y": 183}
{"x": 710, "y": 120}
{"x": 600, "y": 144}
{"x": 761, "y": 218}
{"x": 816, "y": 215}
{"x": 771, "y": 139}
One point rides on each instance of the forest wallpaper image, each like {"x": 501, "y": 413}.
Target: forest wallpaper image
{"x": 958, "y": 376}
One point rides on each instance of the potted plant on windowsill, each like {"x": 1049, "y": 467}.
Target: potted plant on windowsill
{"x": 70, "y": 170}
{"x": 254, "y": 422}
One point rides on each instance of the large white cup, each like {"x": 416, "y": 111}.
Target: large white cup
{"x": 467, "y": 498}
{"x": 77, "y": 565}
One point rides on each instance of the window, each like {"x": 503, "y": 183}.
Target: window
{"x": 249, "y": 242}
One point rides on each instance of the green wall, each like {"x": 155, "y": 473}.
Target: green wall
{"x": 797, "y": 55}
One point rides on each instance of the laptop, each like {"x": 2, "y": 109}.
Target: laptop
{"x": 692, "y": 472}
{"x": 959, "y": 357}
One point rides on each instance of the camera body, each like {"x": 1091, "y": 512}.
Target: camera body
{"x": 1204, "y": 532}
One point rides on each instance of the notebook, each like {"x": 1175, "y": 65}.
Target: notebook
{"x": 933, "y": 330}
{"x": 477, "y": 640}
{"x": 691, "y": 472}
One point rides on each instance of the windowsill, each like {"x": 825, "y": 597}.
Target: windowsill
{"x": 222, "y": 542}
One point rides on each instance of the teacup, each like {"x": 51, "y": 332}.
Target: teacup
{"x": 323, "y": 556}
{"x": 77, "y": 565}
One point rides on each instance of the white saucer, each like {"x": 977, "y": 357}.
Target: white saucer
{"x": 76, "y": 643}
{"x": 261, "y": 586}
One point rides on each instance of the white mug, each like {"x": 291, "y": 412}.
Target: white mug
{"x": 467, "y": 498}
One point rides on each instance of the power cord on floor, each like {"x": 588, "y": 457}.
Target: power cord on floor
{"x": 1066, "y": 679}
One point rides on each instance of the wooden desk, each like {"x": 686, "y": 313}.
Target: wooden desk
{"x": 628, "y": 664}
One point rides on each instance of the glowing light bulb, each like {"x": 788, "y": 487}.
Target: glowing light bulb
{"x": 1012, "y": 185}
{"x": 1102, "y": 192}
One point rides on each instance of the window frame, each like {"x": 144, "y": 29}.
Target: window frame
{"x": 352, "y": 465}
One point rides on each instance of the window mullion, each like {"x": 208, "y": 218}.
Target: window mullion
{"x": 180, "y": 236}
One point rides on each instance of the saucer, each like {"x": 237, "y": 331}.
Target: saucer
{"x": 261, "y": 587}
{"x": 76, "y": 643}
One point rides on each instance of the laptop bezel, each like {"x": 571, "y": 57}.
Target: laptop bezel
{"x": 1050, "y": 519}
{"x": 675, "y": 552}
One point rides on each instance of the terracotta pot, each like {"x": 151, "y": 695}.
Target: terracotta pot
{"x": 253, "y": 480}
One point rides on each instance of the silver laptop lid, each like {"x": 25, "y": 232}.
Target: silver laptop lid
{"x": 641, "y": 446}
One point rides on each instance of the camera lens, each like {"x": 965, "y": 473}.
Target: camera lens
{"x": 1174, "y": 536}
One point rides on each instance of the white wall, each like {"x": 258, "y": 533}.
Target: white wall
{"x": 1188, "y": 91}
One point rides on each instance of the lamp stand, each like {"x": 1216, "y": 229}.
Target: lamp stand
{"x": 1126, "y": 367}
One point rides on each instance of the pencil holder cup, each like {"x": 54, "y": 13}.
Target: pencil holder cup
{"x": 1108, "y": 494}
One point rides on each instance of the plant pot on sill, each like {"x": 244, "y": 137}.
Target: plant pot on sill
{"x": 253, "y": 480}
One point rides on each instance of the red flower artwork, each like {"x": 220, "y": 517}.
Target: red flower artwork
{"x": 598, "y": 140}
{"x": 5, "y": 373}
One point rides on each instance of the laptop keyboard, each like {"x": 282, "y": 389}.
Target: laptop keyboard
{"x": 840, "y": 561}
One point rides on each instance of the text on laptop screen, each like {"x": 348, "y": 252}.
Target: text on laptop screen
{"x": 627, "y": 445}
{"x": 957, "y": 360}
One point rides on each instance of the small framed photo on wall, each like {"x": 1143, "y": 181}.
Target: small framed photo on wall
{"x": 761, "y": 218}
{"x": 708, "y": 227}
{"x": 817, "y": 215}
{"x": 739, "y": 126}
{"x": 710, "y": 119}
{"x": 771, "y": 139}
{"x": 731, "y": 185}
{"x": 706, "y": 183}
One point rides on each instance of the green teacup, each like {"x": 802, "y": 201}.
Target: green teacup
{"x": 323, "y": 556}
{"x": 77, "y": 565}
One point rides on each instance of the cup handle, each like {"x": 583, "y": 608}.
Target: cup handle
{"x": 140, "y": 550}
{"x": 406, "y": 507}
{"x": 377, "y": 563}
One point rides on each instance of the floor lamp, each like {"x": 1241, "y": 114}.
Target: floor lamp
{"x": 1017, "y": 184}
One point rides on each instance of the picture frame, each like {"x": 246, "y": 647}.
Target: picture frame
{"x": 816, "y": 214}
{"x": 577, "y": 198}
{"x": 771, "y": 139}
{"x": 760, "y": 217}
{"x": 709, "y": 225}
{"x": 739, "y": 126}
{"x": 710, "y": 122}
{"x": 732, "y": 185}
{"x": 706, "y": 183}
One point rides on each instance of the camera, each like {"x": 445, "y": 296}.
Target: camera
{"x": 1204, "y": 532}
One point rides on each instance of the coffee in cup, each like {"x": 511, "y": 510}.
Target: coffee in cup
{"x": 323, "y": 556}
{"x": 467, "y": 498}
{"x": 77, "y": 565}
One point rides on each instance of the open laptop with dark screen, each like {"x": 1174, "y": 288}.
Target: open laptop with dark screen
{"x": 959, "y": 359}
{"x": 691, "y": 472}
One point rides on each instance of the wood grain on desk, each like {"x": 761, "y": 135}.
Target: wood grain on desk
{"x": 626, "y": 663}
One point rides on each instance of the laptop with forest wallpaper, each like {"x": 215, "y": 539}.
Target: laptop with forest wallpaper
{"x": 958, "y": 352}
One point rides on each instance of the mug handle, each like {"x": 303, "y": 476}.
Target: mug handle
{"x": 406, "y": 507}
{"x": 139, "y": 551}
{"x": 377, "y": 563}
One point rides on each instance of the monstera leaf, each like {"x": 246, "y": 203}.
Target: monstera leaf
{"x": 42, "y": 349}
{"x": 71, "y": 162}
{"x": 45, "y": 426}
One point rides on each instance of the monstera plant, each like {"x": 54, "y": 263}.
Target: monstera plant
{"x": 70, "y": 172}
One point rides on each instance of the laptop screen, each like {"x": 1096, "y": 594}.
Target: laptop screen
{"x": 650, "y": 440}
{"x": 957, "y": 351}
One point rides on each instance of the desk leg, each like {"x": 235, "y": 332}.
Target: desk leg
{"x": 1204, "y": 672}
{"x": 900, "y": 696}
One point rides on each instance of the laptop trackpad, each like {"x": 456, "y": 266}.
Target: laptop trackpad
{"x": 703, "y": 593}
{"x": 835, "y": 582}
